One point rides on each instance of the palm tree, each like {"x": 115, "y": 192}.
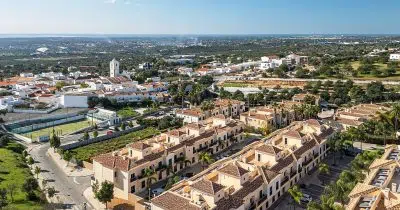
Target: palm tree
{"x": 205, "y": 159}
{"x": 37, "y": 171}
{"x": 396, "y": 114}
{"x": 334, "y": 145}
{"x": 206, "y": 106}
{"x": 171, "y": 181}
{"x": 275, "y": 105}
{"x": 323, "y": 169}
{"x": 296, "y": 195}
{"x": 148, "y": 173}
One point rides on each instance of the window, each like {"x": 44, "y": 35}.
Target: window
{"x": 143, "y": 184}
{"x": 270, "y": 191}
{"x": 133, "y": 177}
{"x": 258, "y": 157}
{"x": 115, "y": 174}
{"x": 277, "y": 185}
{"x": 193, "y": 160}
{"x": 133, "y": 189}
{"x": 170, "y": 161}
{"x": 286, "y": 141}
{"x": 260, "y": 194}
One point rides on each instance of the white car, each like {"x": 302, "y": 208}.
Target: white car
{"x": 157, "y": 191}
{"x": 306, "y": 198}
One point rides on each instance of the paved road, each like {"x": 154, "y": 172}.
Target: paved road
{"x": 70, "y": 189}
{"x": 224, "y": 78}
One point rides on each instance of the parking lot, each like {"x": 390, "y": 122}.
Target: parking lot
{"x": 313, "y": 185}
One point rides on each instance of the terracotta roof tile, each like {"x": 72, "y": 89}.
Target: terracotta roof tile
{"x": 207, "y": 186}
{"x": 283, "y": 163}
{"x": 171, "y": 201}
{"x": 269, "y": 149}
{"x": 233, "y": 170}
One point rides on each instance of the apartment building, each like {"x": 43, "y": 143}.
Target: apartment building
{"x": 301, "y": 98}
{"x": 226, "y": 107}
{"x": 380, "y": 189}
{"x": 356, "y": 115}
{"x": 279, "y": 116}
{"x": 164, "y": 154}
{"x": 255, "y": 177}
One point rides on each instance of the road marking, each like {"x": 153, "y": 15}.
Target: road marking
{"x": 75, "y": 180}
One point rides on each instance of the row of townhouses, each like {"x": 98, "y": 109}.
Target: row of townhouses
{"x": 356, "y": 115}
{"x": 381, "y": 187}
{"x": 164, "y": 154}
{"x": 226, "y": 107}
{"x": 255, "y": 177}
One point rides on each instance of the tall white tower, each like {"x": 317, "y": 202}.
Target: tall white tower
{"x": 114, "y": 68}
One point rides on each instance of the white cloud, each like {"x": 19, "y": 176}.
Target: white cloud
{"x": 127, "y": 2}
{"x": 110, "y": 1}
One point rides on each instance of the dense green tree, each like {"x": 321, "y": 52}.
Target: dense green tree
{"x": 106, "y": 193}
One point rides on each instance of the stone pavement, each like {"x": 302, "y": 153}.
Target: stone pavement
{"x": 68, "y": 168}
{"x": 89, "y": 195}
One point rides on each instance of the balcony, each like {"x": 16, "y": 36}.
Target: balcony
{"x": 316, "y": 155}
{"x": 308, "y": 161}
{"x": 202, "y": 149}
{"x": 162, "y": 167}
{"x": 293, "y": 173}
{"x": 133, "y": 179}
{"x": 262, "y": 199}
{"x": 284, "y": 180}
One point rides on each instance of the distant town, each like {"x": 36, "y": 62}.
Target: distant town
{"x": 208, "y": 122}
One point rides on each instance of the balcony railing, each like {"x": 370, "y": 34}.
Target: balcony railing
{"x": 262, "y": 199}
{"x": 202, "y": 149}
{"x": 293, "y": 173}
{"x": 285, "y": 179}
{"x": 308, "y": 161}
{"x": 316, "y": 155}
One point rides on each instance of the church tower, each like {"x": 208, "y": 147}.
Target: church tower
{"x": 114, "y": 68}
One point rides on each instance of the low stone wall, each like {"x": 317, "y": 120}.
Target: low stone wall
{"x": 99, "y": 139}
{"x": 34, "y": 127}
{"x": 36, "y": 111}
{"x": 88, "y": 165}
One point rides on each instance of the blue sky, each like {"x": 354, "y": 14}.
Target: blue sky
{"x": 200, "y": 16}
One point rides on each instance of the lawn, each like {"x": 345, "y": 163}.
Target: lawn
{"x": 14, "y": 170}
{"x": 60, "y": 129}
{"x": 127, "y": 112}
{"x": 379, "y": 66}
{"x": 86, "y": 153}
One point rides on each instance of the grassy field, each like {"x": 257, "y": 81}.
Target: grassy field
{"x": 60, "y": 129}
{"x": 14, "y": 170}
{"x": 86, "y": 153}
{"x": 379, "y": 66}
{"x": 127, "y": 112}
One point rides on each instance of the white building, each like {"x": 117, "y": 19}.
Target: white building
{"x": 74, "y": 100}
{"x": 394, "y": 57}
{"x": 26, "y": 74}
{"x": 114, "y": 68}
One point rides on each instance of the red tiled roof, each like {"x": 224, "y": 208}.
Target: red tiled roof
{"x": 207, "y": 186}
{"x": 233, "y": 170}
{"x": 269, "y": 149}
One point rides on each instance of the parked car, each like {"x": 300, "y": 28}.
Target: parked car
{"x": 189, "y": 175}
{"x": 306, "y": 198}
{"x": 109, "y": 132}
{"x": 157, "y": 191}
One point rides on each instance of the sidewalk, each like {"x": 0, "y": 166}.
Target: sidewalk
{"x": 89, "y": 195}
{"x": 59, "y": 199}
{"x": 68, "y": 168}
